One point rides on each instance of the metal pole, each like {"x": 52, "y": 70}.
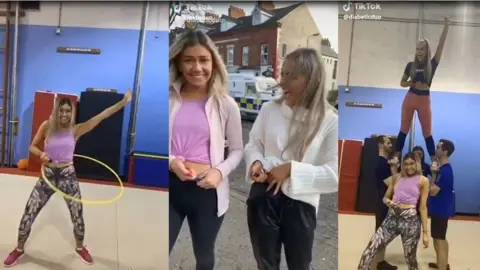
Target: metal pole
{"x": 138, "y": 80}
{"x": 13, "y": 100}
{"x": 412, "y": 133}
{"x": 419, "y": 35}
{"x": 349, "y": 68}
{"x": 6, "y": 84}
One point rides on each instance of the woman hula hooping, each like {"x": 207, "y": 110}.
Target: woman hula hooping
{"x": 60, "y": 134}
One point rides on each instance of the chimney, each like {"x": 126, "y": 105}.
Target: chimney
{"x": 266, "y": 5}
{"x": 326, "y": 42}
{"x": 235, "y": 12}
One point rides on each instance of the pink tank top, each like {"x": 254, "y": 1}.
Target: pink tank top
{"x": 407, "y": 190}
{"x": 60, "y": 146}
{"x": 191, "y": 133}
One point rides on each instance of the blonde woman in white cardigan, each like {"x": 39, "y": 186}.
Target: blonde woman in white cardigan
{"x": 292, "y": 158}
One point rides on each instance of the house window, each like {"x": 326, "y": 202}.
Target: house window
{"x": 264, "y": 54}
{"x": 334, "y": 73}
{"x": 284, "y": 50}
{"x": 230, "y": 54}
{"x": 223, "y": 26}
{"x": 257, "y": 18}
{"x": 245, "y": 56}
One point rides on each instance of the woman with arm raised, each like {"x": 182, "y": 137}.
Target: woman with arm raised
{"x": 418, "y": 76}
{"x": 60, "y": 134}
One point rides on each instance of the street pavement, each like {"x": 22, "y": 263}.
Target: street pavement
{"x": 233, "y": 248}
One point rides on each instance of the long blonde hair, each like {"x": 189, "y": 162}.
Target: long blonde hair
{"x": 53, "y": 121}
{"x": 309, "y": 114}
{"x": 427, "y": 66}
{"x": 218, "y": 82}
{"x": 418, "y": 165}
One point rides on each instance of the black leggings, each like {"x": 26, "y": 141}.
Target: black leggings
{"x": 274, "y": 220}
{"x": 199, "y": 206}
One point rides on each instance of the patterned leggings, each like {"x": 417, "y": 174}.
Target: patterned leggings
{"x": 65, "y": 180}
{"x": 404, "y": 222}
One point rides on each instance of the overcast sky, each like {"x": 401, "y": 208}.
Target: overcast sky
{"x": 324, "y": 14}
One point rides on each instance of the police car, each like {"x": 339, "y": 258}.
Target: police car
{"x": 250, "y": 92}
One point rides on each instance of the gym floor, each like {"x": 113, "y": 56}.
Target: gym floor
{"x": 129, "y": 234}
{"x": 355, "y": 232}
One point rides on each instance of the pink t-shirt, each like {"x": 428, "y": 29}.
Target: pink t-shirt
{"x": 407, "y": 190}
{"x": 224, "y": 122}
{"x": 191, "y": 132}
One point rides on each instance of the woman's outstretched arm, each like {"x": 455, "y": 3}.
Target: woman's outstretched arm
{"x": 82, "y": 128}
{"x": 441, "y": 43}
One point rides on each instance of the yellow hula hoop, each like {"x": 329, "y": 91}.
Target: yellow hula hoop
{"x": 97, "y": 202}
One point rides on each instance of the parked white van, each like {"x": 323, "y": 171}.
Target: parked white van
{"x": 250, "y": 91}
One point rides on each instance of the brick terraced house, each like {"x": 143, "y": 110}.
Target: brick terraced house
{"x": 260, "y": 41}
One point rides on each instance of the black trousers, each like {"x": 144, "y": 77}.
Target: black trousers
{"x": 274, "y": 220}
{"x": 199, "y": 206}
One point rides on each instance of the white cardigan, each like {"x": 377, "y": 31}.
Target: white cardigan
{"x": 317, "y": 173}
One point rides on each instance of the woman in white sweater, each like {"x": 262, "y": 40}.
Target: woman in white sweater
{"x": 292, "y": 158}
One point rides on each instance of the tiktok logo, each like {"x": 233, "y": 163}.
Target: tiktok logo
{"x": 361, "y": 6}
